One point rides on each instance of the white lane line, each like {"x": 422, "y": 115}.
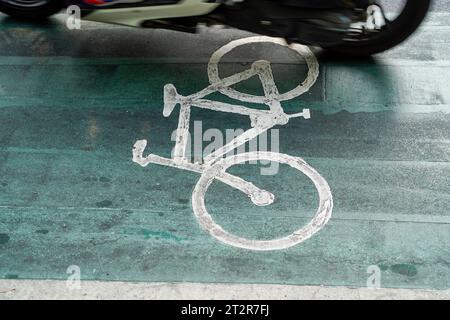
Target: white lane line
{"x": 57, "y": 289}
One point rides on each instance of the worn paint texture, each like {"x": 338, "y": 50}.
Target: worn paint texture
{"x": 73, "y": 103}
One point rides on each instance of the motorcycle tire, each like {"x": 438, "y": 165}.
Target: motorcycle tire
{"x": 30, "y": 9}
{"x": 399, "y": 30}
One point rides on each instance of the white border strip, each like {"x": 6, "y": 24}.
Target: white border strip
{"x": 58, "y": 290}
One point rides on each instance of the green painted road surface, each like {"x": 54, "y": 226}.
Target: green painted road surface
{"x": 73, "y": 103}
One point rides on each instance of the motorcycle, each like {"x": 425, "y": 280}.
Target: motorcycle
{"x": 350, "y": 27}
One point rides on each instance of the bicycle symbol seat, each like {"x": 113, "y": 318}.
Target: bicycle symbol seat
{"x": 215, "y": 164}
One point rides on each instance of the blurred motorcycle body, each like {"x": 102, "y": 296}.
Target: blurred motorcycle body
{"x": 351, "y": 27}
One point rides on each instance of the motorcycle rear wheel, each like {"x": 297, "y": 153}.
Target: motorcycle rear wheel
{"x": 389, "y": 36}
{"x": 30, "y": 9}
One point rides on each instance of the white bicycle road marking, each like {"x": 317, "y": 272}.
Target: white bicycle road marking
{"x": 215, "y": 165}
{"x": 302, "y": 51}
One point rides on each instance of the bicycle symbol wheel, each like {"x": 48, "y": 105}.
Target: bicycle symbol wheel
{"x": 303, "y": 51}
{"x": 323, "y": 213}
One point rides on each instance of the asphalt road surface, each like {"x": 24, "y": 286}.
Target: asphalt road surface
{"x": 73, "y": 103}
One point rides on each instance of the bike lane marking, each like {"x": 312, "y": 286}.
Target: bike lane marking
{"x": 260, "y": 122}
{"x": 366, "y": 155}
